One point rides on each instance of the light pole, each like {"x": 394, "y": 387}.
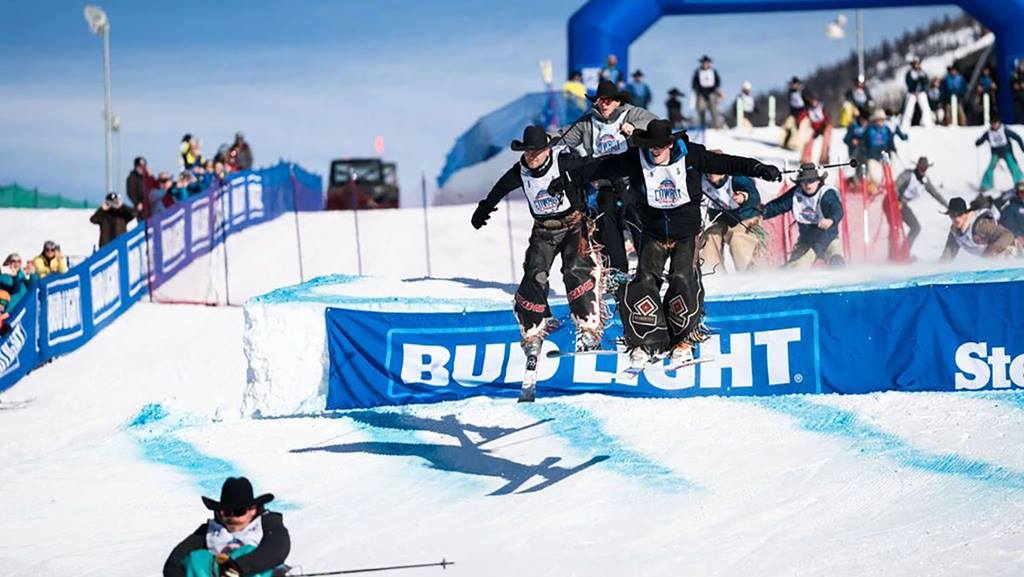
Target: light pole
{"x": 98, "y": 23}
{"x": 836, "y": 30}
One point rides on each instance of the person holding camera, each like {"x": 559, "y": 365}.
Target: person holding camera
{"x": 50, "y": 261}
{"x": 112, "y": 217}
{"x": 15, "y": 280}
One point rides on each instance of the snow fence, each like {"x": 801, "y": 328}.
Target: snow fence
{"x": 63, "y": 312}
{"x": 942, "y": 333}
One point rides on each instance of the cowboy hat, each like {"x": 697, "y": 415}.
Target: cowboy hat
{"x": 809, "y": 172}
{"x": 534, "y": 138}
{"x": 923, "y": 164}
{"x": 658, "y": 134}
{"x": 606, "y": 89}
{"x": 674, "y": 92}
{"x": 957, "y": 206}
{"x": 235, "y": 494}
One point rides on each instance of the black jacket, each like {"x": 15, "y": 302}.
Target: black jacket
{"x": 568, "y": 163}
{"x": 136, "y": 188}
{"x": 683, "y": 221}
{"x": 113, "y": 222}
{"x": 272, "y": 551}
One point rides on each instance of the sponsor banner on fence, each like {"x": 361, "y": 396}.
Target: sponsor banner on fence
{"x": 76, "y": 305}
{"x": 192, "y": 228}
{"x": 18, "y": 354}
{"x": 921, "y": 338}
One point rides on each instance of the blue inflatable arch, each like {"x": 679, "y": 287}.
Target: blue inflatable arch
{"x": 603, "y": 27}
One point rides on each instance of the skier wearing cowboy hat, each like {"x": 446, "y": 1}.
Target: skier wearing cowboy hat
{"x": 976, "y": 231}
{"x": 817, "y": 210}
{"x": 242, "y": 539}
{"x": 666, "y": 173}
{"x": 559, "y": 229}
{"x": 605, "y": 130}
{"x": 909, "y": 186}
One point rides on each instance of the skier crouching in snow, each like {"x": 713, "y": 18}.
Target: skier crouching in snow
{"x": 735, "y": 221}
{"x": 977, "y": 232}
{"x": 666, "y": 170}
{"x": 817, "y": 210}
{"x": 558, "y": 229}
{"x": 243, "y": 539}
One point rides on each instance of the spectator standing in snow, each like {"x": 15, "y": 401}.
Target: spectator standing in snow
{"x": 243, "y": 538}
{"x": 747, "y": 103}
{"x": 706, "y": 86}
{"x": 241, "y": 152}
{"x": 50, "y": 260}
{"x": 954, "y": 84}
{"x": 574, "y": 85}
{"x": 796, "y": 107}
{"x": 935, "y": 97}
{"x": 112, "y": 217}
{"x": 977, "y": 232}
{"x": 611, "y": 70}
{"x": 860, "y": 97}
{"x": 674, "y": 108}
{"x": 138, "y": 185}
{"x": 639, "y": 91}
{"x": 1000, "y": 139}
{"x": 917, "y": 95}
{"x": 909, "y": 186}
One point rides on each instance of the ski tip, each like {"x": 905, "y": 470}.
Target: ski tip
{"x": 553, "y": 354}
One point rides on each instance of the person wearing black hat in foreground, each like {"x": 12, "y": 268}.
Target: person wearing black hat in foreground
{"x": 242, "y": 539}
{"x": 817, "y": 210}
{"x": 559, "y": 228}
{"x": 909, "y": 186}
{"x": 666, "y": 174}
{"x": 976, "y": 231}
{"x": 606, "y": 130}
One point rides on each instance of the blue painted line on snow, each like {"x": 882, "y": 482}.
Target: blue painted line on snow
{"x": 586, "y": 434}
{"x": 1012, "y": 398}
{"x": 872, "y": 442}
{"x": 154, "y": 433}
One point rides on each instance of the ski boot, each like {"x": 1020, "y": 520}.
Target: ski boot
{"x": 587, "y": 340}
{"x": 639, "y": 358}
{"x": 682, "y": 354}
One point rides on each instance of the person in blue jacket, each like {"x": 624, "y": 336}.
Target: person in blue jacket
{"x": 856, "y": 146}
{"x": 639, "y": 91}
{"x": 734, "y": 219}
{"x": 15, "y": 280}
{"x": 954, "y": 84}
{"x": 1000, "y": 139}
{"x": 1012, "y": 215}
{"x": 817, "y": 209}
{"x": 879, "y": 140}
{"x": 917, "y": 82}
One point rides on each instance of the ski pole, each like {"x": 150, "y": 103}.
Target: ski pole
{"x": 443, "y": 565}
{"x": 852, "y": 164}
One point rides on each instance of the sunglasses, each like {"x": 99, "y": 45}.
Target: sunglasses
{"x": 605, "y": 100}
{"x": 234, "y": 512}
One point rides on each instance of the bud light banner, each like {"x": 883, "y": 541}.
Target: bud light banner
{"x": 18, "y": 354}
{"x": 935, "y": 337}
{"x": 76, "y": 305}
{"x": 190, "y": 229}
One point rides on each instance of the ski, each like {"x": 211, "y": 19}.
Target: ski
{"x": 528, "y": 393}
{"x": 634, "y": 371}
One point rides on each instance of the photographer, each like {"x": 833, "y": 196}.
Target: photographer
{"x": 14, "y": 280}
{"x": 50, "y": 261}
{"x": 112, "y": 217}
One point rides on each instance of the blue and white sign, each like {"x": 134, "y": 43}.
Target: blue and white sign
{"x": 18, "y": 354}
{"x": 932, "y": 337}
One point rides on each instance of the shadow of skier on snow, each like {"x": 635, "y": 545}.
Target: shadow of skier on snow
{"x": 468, "y": 457}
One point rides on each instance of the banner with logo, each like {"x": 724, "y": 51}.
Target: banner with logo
{"x": 190, "y": 229}
{"x": 18, "y": 354}
{"x": 939, "y": 337}
{"x": 75, "y": 306}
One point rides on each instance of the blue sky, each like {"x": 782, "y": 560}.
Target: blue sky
{"x": 314, "y": 80}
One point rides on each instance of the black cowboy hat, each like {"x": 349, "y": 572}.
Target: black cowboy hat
{"x": 534, "y": 138}
{"x": 236, "y": 494}
{"x": 607, "y": 89}
{"x": 638, "y": 72}
{"x": 674, "y": 92}
{"x": 957, "y": 206}
{"x": 808, "y": 172}
{"x": 705, "y": 58}
{"x": 659, "y": 133}
{"x": 923, "y": 164}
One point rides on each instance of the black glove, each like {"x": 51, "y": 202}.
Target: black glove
{"x": 481, "y": 214}
{"x": 230, "y": 568}
{"x": 768, "y": 172}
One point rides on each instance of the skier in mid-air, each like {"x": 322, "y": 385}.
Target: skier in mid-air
{"x": 559, "y": 229}
{"x": 666, "y": 170}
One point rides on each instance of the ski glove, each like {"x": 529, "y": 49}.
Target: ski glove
{"x": 482, "y": 214}
{"x": 557, "y": 187}
{"x": 767, "y": 172}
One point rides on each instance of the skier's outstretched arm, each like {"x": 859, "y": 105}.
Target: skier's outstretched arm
{"x": 832, "y": 207}
{"x": 780, "y": 205}
{"x": 714, "y": 163}
{"x": 508, "y": 182}
{"x": 934, "y": 192}
{"x": 1014, "y": 136}
{"x": 951, "y": 249}
{"x": 982, "y": 140}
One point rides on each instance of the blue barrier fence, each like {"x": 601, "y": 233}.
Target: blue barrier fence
{"x": 935, "y": 337}
{"x": 62, "y": 312}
